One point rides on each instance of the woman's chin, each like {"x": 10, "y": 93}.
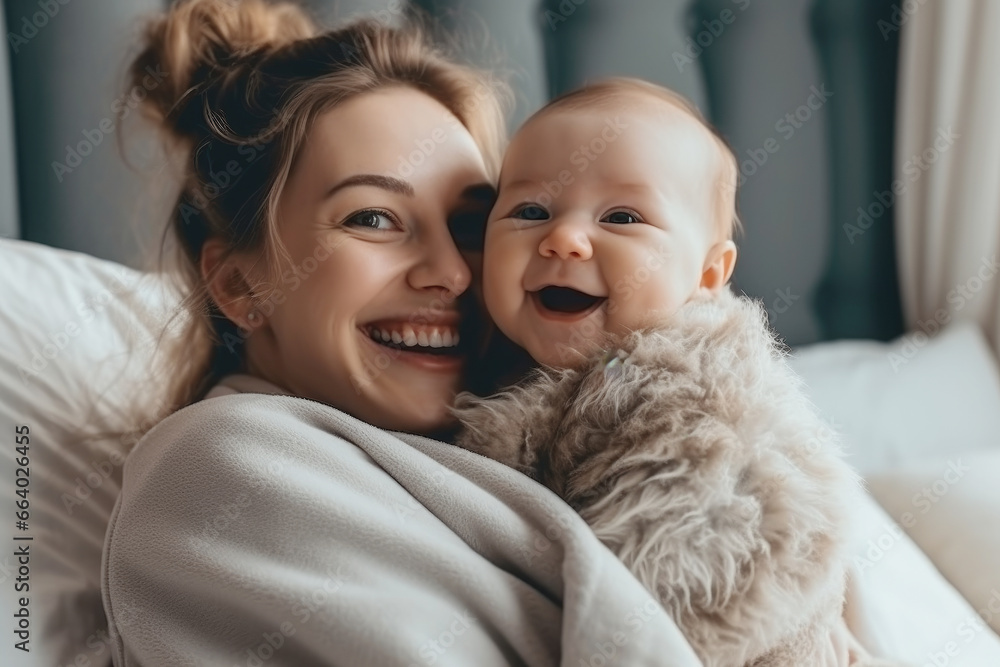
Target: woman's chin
{"x": 402, "y": 391}
{"x": 429, "y": 425}
{"x": 420, "y": 412}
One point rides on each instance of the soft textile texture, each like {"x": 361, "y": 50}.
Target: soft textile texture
{"x": 899, "y": 606}
{"x": 910, "y": 399}
{"x": 278, "y": 527}
{"x": 692, "y": 452}
{"x": 950, "y": 507}
{"x": 76, "y": 342}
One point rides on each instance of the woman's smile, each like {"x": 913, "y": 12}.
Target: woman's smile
{"x": 425, "y": 357}
{"x": 428, "y": 341}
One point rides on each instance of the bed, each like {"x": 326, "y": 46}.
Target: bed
{"x": 920, "y": 415}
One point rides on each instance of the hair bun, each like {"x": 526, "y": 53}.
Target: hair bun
{"x": 195, "y": 39}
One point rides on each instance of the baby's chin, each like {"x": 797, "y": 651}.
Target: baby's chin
{"x": 562, "y": 355}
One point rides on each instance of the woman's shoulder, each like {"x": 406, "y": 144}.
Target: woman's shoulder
{"x": 234, "y": 440}
{"x": 272, "y": 461}
{"x": 220, "y": 419}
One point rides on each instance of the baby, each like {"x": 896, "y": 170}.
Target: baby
{"x": 664, "y": 412}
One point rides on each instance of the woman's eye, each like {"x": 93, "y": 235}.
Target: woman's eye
{"x": 531, "y": 212}
{"x": 371, "y": 220}
{"x": 620, "y": 218}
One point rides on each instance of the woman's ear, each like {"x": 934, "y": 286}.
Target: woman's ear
{"x": 227, "y": 284}
{"x": 719, "y": 265}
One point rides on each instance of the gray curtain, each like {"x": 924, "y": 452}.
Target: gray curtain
{"x": 503, "y": 37}
{"x": 67, "y": 68}
{"x": 9, "y": 226}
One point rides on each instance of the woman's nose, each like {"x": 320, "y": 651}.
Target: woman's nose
{"x": 441, "y": 266}
{"x": 567, "y": 239}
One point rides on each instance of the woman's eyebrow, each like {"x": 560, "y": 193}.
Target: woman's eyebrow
{"x": 521, "y": 183}
{"x": 390, "y": 183}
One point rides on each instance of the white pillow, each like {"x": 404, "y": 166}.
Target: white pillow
{"x": 900, "y": 607}
{"x": 915, "y": 414}
{"x": 909, "y": 399}
{"x": 76, "y": 337}
{"x": 951, "y": 508}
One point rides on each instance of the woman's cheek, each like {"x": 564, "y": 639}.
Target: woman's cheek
{"x": 290, "y": 279}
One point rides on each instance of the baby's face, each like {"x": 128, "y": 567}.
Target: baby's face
{"x": 603, "y": 224}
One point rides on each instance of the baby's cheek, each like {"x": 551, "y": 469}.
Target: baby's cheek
{"x": 645, "y": 305}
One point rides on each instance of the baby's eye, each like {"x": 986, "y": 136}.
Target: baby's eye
{"x": 530, "y": 212}
{"x": 620, "y": 218}
{"x": 371, "y": 219}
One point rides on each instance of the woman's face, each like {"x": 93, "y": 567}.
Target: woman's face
{"x": 365, "y": 318}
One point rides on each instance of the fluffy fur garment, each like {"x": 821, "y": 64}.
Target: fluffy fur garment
{"x": 695, "y": 457}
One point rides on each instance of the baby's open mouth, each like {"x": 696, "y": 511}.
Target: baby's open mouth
{"x": 566, "y": 299}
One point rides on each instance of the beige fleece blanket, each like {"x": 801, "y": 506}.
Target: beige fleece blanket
{"x": 258, "y": 529}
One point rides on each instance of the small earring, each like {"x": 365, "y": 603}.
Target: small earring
{"x": 253, "y": 317}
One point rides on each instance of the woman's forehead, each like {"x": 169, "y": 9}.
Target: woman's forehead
{"x": 396, "y": 131}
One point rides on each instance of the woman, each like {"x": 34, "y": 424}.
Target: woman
{"x": 277, "y": 520}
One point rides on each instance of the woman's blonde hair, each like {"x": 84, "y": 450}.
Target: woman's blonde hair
{"x": 244, "y": 82}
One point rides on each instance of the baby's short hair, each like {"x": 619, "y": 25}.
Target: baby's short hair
{"x": 607, "y": 91}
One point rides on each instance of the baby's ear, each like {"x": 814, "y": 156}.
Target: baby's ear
{"x": 719, "y": 265}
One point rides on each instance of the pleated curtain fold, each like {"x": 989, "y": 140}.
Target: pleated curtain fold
{"x": 947, "y": 164}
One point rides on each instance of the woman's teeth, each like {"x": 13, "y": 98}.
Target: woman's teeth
{"x": 406, "y": 336}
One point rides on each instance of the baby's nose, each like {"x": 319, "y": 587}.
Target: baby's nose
{"x": 567, "y": 240}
